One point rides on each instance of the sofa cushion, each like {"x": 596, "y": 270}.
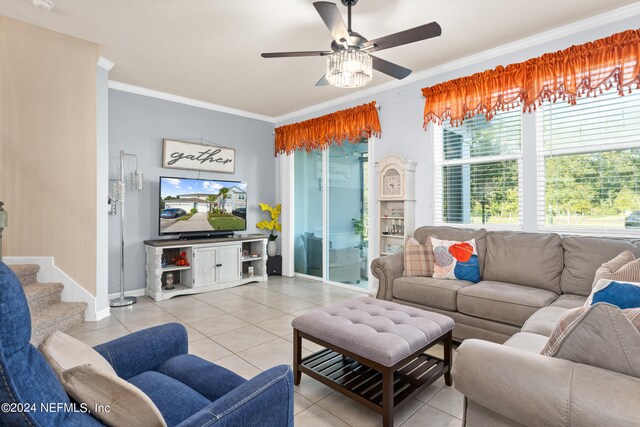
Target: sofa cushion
{"x": 583, "y": 255}
{"x": 529, "y": 259}
{"x": 527, "y": 341}
{"x": 544, "y": 320}
{"x": 502, "y": 302}
{"x": 600, "y": 335}
{"x": 439, "y": 293}
{"x": 459, "y": 234}
{"x": 175, "y": 400}
{"x": 569, "y": 301}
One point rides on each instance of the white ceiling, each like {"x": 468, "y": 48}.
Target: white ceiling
{"x": 209, "y": 50}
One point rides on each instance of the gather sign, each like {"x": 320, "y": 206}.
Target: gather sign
{"x": 194, "y": 156}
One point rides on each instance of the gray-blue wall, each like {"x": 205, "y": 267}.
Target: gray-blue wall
{"x": 138, "y": 124}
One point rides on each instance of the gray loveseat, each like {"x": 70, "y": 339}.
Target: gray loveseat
{"x": 529, "y": 280}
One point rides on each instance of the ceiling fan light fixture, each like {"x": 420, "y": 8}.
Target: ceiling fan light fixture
{"x": 43, "y": 4}
{"x": 349, "y": 68}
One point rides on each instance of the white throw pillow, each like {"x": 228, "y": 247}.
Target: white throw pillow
{"x": 64, "y": 352}
{"x": 455, "y": 260}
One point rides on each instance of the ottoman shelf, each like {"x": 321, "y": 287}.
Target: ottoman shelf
{"x": 333, "y": 368}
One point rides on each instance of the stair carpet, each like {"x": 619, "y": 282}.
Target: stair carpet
{"x": 48, "y": 312}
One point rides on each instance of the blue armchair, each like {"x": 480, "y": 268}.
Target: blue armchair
{"x": 187, "y": 390}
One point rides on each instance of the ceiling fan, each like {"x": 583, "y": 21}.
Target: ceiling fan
{"x": 350, "y": 61}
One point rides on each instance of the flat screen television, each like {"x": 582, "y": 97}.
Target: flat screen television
{"x": 204, "y": 207}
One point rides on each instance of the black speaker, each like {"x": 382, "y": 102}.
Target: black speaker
{"x": 274, "y": 265}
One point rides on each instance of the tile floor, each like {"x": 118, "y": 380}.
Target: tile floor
{"x": 248, "y": 329}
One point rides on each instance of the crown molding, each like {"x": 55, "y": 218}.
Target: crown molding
{"x": 612, "y": 16}
{"x": 600, "y": 20}
{"x": 125, "y": 87}
{"x": 105, "y": 63}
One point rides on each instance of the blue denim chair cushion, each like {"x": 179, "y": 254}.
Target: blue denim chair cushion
{"x": 175, "y": 400}
{"x": 25, "y": 376}
{"x": 199, "y": 375}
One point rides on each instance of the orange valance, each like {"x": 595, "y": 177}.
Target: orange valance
{"x": 567, "y": 74}
{"x": 350, "y": 125}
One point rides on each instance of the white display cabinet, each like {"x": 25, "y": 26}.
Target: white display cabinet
{"x": 213, "y": 264}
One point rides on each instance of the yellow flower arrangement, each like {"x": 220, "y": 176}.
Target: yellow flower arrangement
{"x": 274, "y": 224}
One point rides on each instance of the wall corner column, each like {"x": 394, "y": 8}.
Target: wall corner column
{"x": 284, "y": 196}
{"x": 102, "y": 188}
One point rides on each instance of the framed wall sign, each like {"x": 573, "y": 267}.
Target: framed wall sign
{"x": 200, "y": 157}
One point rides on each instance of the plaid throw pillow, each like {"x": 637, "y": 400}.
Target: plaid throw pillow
{"x": 625, "y": 267}
{"x": 418, "y": 259}
{"x": 562, "y": 330}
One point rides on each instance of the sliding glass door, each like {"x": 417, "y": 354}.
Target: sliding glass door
{"x": 308, "y": 213}
{"x": 332, "y": 214}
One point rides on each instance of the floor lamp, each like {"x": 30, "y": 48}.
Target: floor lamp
{"x": 117, "y": 193}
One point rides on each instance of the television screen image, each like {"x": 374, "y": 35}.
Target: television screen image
{"x": 200, "y": 205}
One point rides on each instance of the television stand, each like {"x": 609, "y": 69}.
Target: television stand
{"x": 182, "y": 267}
{"x": 205, "y": 235}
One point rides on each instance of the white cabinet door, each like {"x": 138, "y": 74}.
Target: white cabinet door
{"x": 204, "y": 267}
{"x": 229, "y": 263}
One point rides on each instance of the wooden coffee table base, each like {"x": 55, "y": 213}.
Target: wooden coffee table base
{"x": 378, "y": 387}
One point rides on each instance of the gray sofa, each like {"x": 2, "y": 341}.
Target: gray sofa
{"x": 529, "y": 280}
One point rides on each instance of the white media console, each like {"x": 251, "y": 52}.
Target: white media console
{"x": 213, "y": 264}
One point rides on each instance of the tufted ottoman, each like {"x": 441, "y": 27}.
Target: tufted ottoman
{"x": 374, "y": 351}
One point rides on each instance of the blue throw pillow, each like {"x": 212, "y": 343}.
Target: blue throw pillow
{"x": 469, "y": 270}
{"x": 622, "y": 295}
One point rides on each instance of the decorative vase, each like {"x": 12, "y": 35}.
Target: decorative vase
{"x": 168, "y": 281}
{"x": 272, "y": 248}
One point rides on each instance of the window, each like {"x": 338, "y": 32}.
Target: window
{"x": 589, "y": 164}
{"x": 241, "y": 197}
{"x": 478, "y": 171}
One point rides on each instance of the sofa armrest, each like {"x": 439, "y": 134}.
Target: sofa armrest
{"x": 264, "y": 401}
{"x": 387, "y": 269}
{"x": 532, "y": 389}
{"x": 144, "y": 350}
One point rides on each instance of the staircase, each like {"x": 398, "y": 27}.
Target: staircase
{"x": 48, "y": 312}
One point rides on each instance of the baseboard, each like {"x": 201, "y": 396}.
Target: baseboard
{"x": 133, "y": 293}
{"x": 72, "y": 291}
{"x": 103, "y": 314}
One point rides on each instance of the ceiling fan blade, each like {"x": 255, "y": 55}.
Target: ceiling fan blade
{"x": 422, "y": 32}
{"x": 389, "y": 68}
{"x": 294, "y": 54}
{"x": 323, "y": 81}
{"x": 333, "y": 20}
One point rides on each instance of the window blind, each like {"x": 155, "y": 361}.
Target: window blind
{"x": 589, "y": 164}
{"x": 479, "y": 171}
